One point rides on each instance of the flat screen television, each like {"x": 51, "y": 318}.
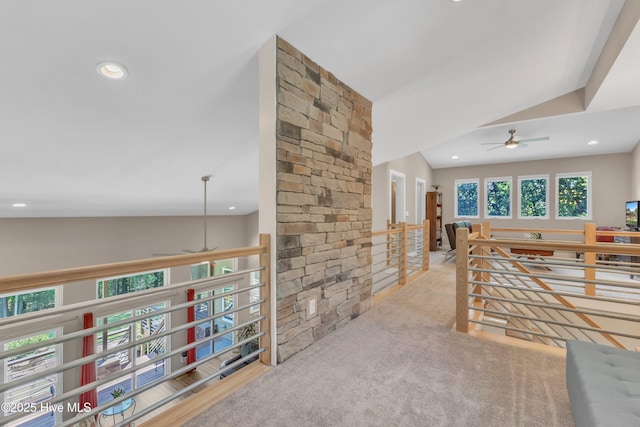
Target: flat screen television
{"x": 632, "y": 214}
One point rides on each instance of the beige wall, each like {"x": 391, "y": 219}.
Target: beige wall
{"x": 413, "y": 166}
{"x": 610, "y": 177}
{"x": 39, "y": 244}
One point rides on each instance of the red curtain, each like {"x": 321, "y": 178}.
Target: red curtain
{"x": 88, "y": 373}
{"x": 191, "y": 332}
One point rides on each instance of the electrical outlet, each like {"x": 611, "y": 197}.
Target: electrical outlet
{"x": 312, "y": 307}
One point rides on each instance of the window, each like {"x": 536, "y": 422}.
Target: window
{"x": 533, "y": 200}
{"x": 27, "y": 302}
{"x": 467, "y": 198}
{"x": 498, "y": 197}
{"x": 114, "y": 339}
{"x": 254, "y": 294}
{"x": 573, "y": 195}
{"x": 205, "y": 328}
{"x": 26, "y": 364}
{"x": 127, "y": 284}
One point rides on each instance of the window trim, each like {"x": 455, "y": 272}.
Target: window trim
{"x": 455, "y": 198}
{"x": 508, "y": 179}
{"x": 528, "y": 178}
{"x": 586, "y": 174}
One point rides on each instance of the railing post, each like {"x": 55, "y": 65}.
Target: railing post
{"x": 265, "y": 294}
{"x": 479, "y": 263}
{"x": 486, "y": 250}
{"x": 402, "y": 252}
{"x": 388, "y": 244}
{"x": 425, "y": 245}
{"x": 462, "y": 280}
{"x": 589, "y": 258}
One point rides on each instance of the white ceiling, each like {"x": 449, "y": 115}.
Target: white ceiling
{"x": 73, "y": 143}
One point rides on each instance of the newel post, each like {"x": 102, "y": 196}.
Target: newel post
{"x": 388, "y": 244}
{"x": 462, "y": 277}
{"x": 425, "y": 245}
{"x": 265, "y": 294}
{"x": 479, "y": 263}
{"x": 402, "y": 261}
{"x": 589, "y": 258}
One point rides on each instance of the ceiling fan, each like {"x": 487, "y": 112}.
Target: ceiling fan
{"x": 514, "y": 142}
{"x": 205, "y": 179}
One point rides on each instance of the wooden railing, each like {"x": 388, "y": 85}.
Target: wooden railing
{"x": 548, "y": 291}
{"x": 170, "y": 301}
{"x": 399, "y": 254}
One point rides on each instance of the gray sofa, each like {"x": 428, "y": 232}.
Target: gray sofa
{"x": 603, "y": 384}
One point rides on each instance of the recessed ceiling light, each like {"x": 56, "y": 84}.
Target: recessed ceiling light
{"x": 454, "y": 157}
{"x": 231, "y": 208}
{"x": 112, "y": 70}
{"x": 592, "y": 142}
{"x": 19, "y": 205}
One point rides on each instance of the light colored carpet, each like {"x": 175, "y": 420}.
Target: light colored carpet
{"x": 400, "y": 364}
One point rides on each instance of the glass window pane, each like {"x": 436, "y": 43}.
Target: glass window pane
{"x": 498, "y": 192}
{"x": 533, "y": 197}
{"x": 573, "y": 196}
{"x": 127, "y": 284}
{"x": 16, "y": 304}
{"x": 466, "y": 198}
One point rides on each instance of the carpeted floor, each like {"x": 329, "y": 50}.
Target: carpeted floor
{"x": 400, "y": 364}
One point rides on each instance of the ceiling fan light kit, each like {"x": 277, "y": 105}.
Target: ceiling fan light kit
{"x": 514, "y": 141}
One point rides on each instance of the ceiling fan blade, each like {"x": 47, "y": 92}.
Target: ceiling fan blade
{"x": 501, "y": 145}
{"x": 160, "y": 254}
{"x": 492, "y": 143}
{"x": 521, "y": 145}
{"x": 542, "y": 138}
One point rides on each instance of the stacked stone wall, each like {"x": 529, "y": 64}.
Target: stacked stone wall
{"x": 323, "y": 247}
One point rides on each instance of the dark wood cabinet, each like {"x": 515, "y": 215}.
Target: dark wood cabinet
{"x": 434, "y": 215}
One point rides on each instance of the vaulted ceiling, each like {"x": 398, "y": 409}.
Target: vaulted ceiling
{"x": 444, "y": 78}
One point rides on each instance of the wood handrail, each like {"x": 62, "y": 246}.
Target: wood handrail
{"x": 29, "y": 281}
{"x": 608, "y": 248}
{"x": 536, "y": 230}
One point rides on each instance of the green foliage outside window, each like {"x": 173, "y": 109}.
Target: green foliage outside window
{"x": 467, "y": 193}
{"x": 499, "y": 198}
{"x": 125, "y": 285}
{"x": 30, "y": 340}
{"x": 533, "y": 197}
{"x": 573, "y": 196}
{"x": 14, "y": 305}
